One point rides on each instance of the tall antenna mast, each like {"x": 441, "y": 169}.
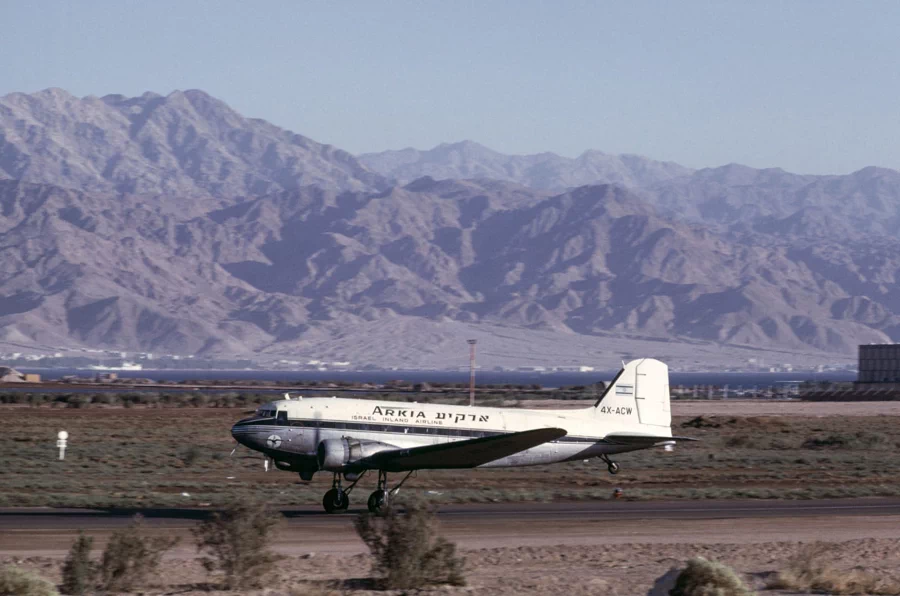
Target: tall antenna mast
{"x": 472, "y": 343}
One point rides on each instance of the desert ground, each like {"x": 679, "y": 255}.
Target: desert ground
{"x": 756, "y": 452}
{"x": 578, "y": 554}
{"x": 180, "y": 457}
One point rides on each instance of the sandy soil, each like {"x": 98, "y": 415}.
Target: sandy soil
{"x": 567, "y": 554}
{"x": 613, "y": 562}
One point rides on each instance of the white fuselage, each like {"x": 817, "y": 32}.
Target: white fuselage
{"x": 293, "y": 428}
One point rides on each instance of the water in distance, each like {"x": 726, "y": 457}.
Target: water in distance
{"x": 555, "y": 379}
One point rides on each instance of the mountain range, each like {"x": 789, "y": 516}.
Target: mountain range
{"x": 543, "y": 171}
{"x": 174, "y": 224}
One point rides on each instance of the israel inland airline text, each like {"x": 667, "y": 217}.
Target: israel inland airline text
{"x": 349, "y": 437}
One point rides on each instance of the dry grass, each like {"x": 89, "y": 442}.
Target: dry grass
{"x": 811, "y": 570}
{"x": 79, "y": 573}
{"x": 180, "y": 457}
{"x": 19, "y": 582}
{"x": 703, "y": 577}
{"x": 131, "y": 557}
{"x": 237, "y": 543}
{"x": 312, "y": 589}
{"x": 407, "y": 549}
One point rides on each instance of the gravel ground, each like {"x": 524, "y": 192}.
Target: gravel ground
{"x": 626, "y": 569}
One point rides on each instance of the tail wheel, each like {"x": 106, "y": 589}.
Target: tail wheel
{"x": 377, "y": 501}
{"x": 335, "y": 501}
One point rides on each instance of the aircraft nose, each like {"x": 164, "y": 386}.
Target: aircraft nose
{"x": 239, "y": 433}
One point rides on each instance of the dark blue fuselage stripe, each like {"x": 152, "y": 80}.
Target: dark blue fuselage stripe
{"x": 433, "y": 431}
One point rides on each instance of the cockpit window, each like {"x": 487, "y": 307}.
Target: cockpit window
{"x": 282, "y": 416}
{"x": 265, "y": 412}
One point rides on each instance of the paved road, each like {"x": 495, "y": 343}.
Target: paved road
{"x": 40, "y": 518}
{"x": 50, "y": 531}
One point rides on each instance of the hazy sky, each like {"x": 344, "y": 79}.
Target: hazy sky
{"x": 813, "y": 87}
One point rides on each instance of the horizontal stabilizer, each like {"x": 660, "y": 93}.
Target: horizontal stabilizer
{"x": 645, "y": 440}
{"x": 461, "y": 454}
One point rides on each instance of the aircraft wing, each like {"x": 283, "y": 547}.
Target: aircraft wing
{"x": 642, "y": 440}
{"x": 461, "y": 454}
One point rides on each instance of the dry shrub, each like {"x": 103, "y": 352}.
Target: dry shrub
{"x": 131, "y": 556}
{"x": 702, "y": 422}
{"x": 741, "y": 441}
{"x": 18, "y": 582}
{"x": 79, "y": 573}
{"x": 859, "y": 440}
{"x": 810, "y": 570}
{"x": 759, "y": 441}
{"x": 312, "y": 589}
{"x": 769, "y": 423}
{"x": 702, "y": 577}
{"x": 190, "y": 456}
{"x": 237, "y": 541}
{"x": 407, "y": 549}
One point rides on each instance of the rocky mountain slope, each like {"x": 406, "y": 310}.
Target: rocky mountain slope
{"x": 187, "y": 144}
{"x": 292, "y": 271}
{"x": 173, "y": 224}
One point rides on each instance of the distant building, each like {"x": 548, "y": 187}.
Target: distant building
{"x": 574, "y": 368}
{"x": 10, "y": 375}
{"x": 879, "y": 363}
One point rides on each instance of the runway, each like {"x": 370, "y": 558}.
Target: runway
{"x": 49, "y": 532}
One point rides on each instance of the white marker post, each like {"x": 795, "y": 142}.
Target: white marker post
{"x": 61, "y": 443}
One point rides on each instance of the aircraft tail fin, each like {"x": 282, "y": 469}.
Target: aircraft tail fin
{"x": 639, "y": 394}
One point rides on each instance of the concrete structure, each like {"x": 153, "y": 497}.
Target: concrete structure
{"x": 879, "y": 363}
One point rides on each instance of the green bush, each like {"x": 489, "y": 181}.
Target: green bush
{"x": 18, "y": 582}
{"x": 237, "y": 541}
{"x": 131, "y": 556}
{"x": 79, "y": 573}
{"x": 702, "y": 577}
{"x": 408, "y": 552}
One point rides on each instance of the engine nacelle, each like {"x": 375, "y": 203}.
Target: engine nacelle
{"x": 336, "y": 455}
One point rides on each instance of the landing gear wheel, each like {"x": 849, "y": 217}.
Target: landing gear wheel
{"x": 613, "y": 468}
{"x": 335, "y": 500}
{"x": 377, "y": 501}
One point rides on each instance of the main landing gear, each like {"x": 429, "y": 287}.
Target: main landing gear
{"x": 612, "y": 466}
{"x": 337, "y": 499}
{"x": 379, "y": 499}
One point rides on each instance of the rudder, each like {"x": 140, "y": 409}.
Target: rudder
{"x": 644, "y": 385}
